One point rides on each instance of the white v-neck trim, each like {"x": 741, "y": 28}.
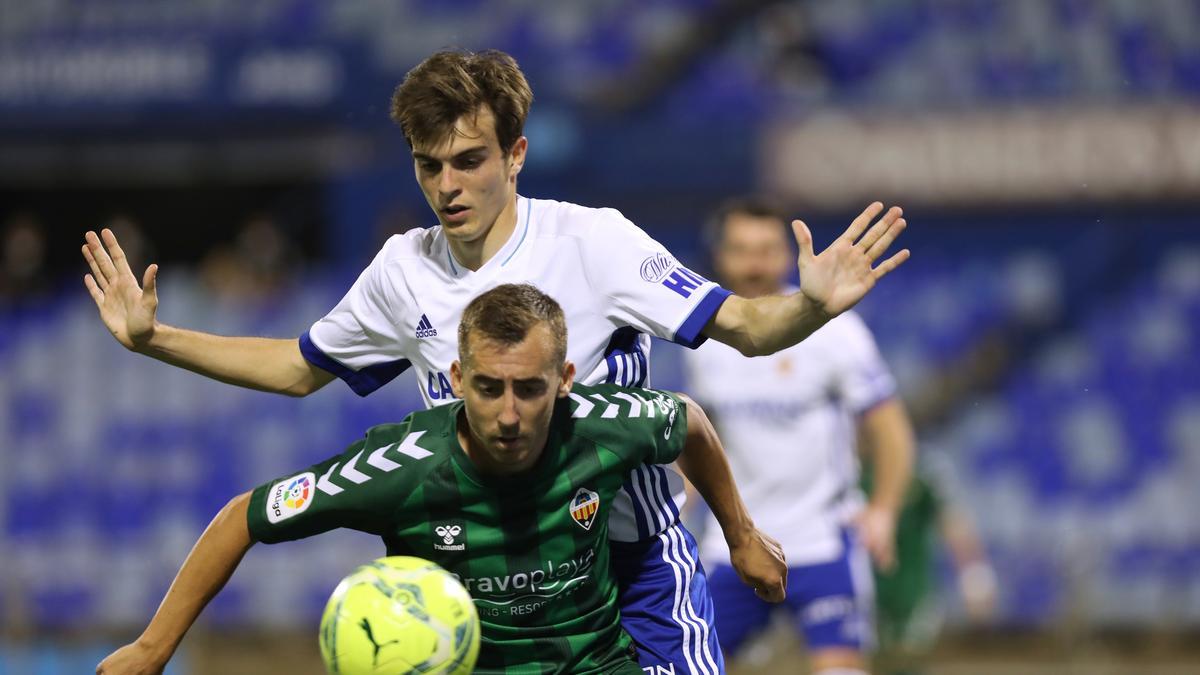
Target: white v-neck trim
{"x": 505, "y": 254}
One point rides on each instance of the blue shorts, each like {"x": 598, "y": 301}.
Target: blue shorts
{"x": 665, "y": 604}
{"x": 832, "y": 603}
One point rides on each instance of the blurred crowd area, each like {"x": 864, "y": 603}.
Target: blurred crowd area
{"x": 1047, "y": 348}
{"x": 914, "y": 52}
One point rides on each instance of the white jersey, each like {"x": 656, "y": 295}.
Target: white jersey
{"x": 788, "y": 423}
{"x": 616, "y": 285}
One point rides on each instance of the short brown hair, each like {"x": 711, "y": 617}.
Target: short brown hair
{"x": 450, "y": 84}
{"x": 755, "y": 207}
{"x": 507, "y": 313}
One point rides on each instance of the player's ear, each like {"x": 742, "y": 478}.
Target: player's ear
{"x": 568, "y": 379}
{"x": 516, "y": 157}
{"x": 456, "y": 379}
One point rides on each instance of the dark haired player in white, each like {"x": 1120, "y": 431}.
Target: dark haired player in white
{"x": 790, "y": 422}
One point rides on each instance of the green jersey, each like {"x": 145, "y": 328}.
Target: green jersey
{"x": 531, "y": 548}
{"x": 900, "y": 591}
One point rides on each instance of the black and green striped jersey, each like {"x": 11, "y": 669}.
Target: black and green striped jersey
{"x": 531, "y": 549}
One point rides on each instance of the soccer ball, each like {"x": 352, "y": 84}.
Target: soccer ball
{"x": 399, "y": 615}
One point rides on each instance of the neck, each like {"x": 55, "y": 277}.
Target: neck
{"x": 477, "y": 252}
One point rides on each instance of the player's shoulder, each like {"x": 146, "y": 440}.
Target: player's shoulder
{"x": 421, "y": 440}
{"x": 409, "y": 259}
{"x": 559, "y": 218}
{"x": 414, "y": 243}
{"x": 611, "y": 415}
{"x": 619, "y": 392}
{"x": 439, "y": 419}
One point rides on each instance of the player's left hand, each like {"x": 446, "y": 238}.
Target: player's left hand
{"x": 877, "y": 527}
{"x": 977, "y": 583}
{"x": 759, "y": 561}
{"x": 133, "y": 659}
{"x": 842, "y": 274}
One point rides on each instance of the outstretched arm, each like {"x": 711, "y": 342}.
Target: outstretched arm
{"x": 129, "y": 310}
{"x": 830, "y": 283}
{"x": 757, "y": 557}
{"x": 210, "y": 564}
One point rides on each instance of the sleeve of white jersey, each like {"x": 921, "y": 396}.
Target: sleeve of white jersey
{"x": 865, "y": 378}
{"x": 359, "y": 340}
{"x": 646, "y": 286}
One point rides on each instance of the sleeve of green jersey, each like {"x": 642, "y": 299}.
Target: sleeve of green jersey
{"x": 669, "y": 428}
{"x": 641, "y": 425}
{"x": 345, "y": 491}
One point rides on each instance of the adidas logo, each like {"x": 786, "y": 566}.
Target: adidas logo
{"x": 425, "y": 329}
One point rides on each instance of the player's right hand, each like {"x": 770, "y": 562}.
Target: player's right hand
{"x": 132, "y": 659}
{"x": 760, "y": 563}
{"x": 127, "y": 309}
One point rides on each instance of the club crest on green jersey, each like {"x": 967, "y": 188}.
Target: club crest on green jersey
{"x": 584, "y": 506}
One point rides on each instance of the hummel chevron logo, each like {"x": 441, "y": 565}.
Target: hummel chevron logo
{"x": 351, "y": 473}
{"x": 425, "y": 329}
{"x": 635, "y": 404}
{"x": 325, "y": 485}
{"x": 638, "y": 406}
{"x": 377, "y": 459}
{"x": 585, "y": 406}
{"x": 409, "y": 446}
{"x": 609, "y": 412}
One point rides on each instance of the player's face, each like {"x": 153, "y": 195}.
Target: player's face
{"x": 467, "y": 179}
{"x": 753, "y": 257}
{"x": 509, "y": 393}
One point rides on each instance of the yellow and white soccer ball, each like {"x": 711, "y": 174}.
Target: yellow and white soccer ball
{"x": 399, "y": 615}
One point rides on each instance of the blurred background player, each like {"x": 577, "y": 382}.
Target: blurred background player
{"x": 789, "y": 421}
{"x": 22, "y": 259}
{"x": 909, "y": 610}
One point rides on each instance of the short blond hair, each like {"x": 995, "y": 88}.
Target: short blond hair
{"x": 507, "y": 313}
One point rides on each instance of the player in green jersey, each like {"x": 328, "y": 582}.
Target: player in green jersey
{"x": 908, "y": 616}
{"x": 509, "y": 489}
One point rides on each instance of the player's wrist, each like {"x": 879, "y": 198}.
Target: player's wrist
{"x": 739, "y": 535}
{"x": 882, "y": 509}
{"x": 150, "y": 342}
{"x": 814, "y": 309}
{"x": 155, "y": 648}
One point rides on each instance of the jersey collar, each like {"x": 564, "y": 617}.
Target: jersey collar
{"x": 506, "y": 252}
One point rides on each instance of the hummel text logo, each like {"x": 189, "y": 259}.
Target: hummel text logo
{"x": 425, "y": 329}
